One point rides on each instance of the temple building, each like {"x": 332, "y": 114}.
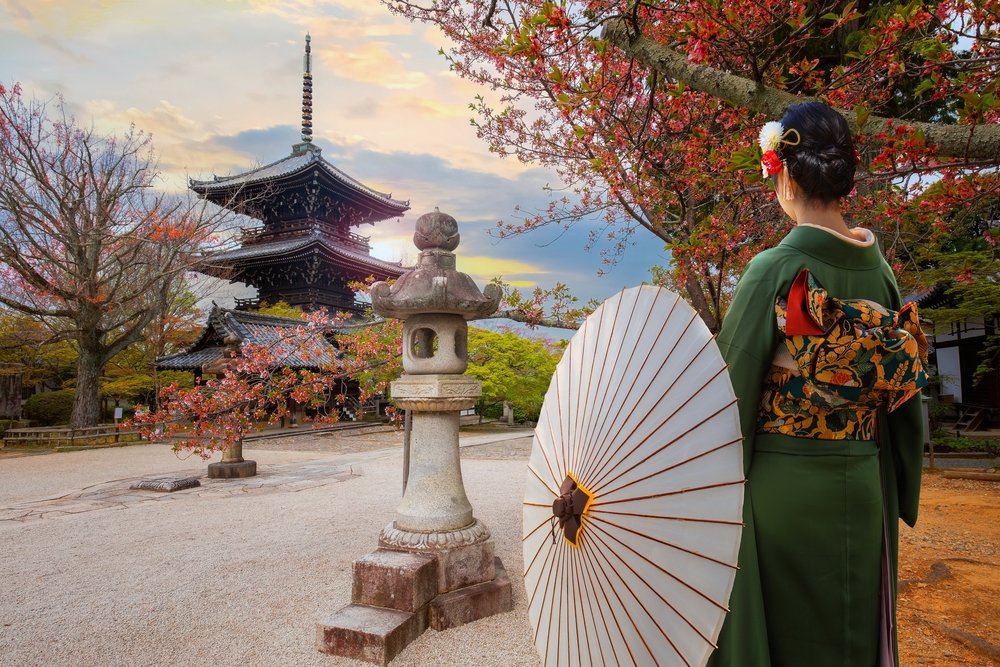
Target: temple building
{"x": 305, "y": 252}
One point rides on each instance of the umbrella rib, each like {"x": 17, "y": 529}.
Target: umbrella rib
{"x": 665, "y": 543}
{"x": 607, "y": 461}
{"x": 588, "y": 588}
{"x": 669, "y": 518}
{"x": 657, "y": 594}
{"x": 581, "y": 593}
{"x": 591, "y": 399}
{"x": 547, "y": 561}
{"x": 539, "y": 477}
{"x": 635, "y": 406}
{"x": 668, "y": 573}
{"x": 562, "y": 563}
{"x": 539, "y": 551}
{"x": 545, "y": 456}
{"x": 676, "y": 465}
{"x": 641, "y": 606}
{"x": 563, "y": 436}
{"x": 668, "y": 493}
{"x": 592, "y": 566}
{"x": 560, "y": 586}
{"x": 585, "y": 332}
{"x": 597, "y": 415}
{"x": 531, "y": 600}
{"x": 680, "y": 463}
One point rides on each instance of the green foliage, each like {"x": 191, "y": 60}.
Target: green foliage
{"x": 280, "y": 309}
{"x": 26, "y": 341}
{"x": 511, "y": 368}
{"x": 50, "y": 408}
{"x": 6, "y": 424}
{"x": 135, "y": 388}
{"x": 962, "y": 444}
{"x": 184, "y": 379}
{"x": 962, "y": 252}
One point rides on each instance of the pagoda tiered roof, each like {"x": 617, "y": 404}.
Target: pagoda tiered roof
{"x": 256, "y": 192}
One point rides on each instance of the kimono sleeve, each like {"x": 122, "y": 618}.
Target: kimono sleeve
{"x": 747, "y": 341}
{"x": 903, "y": 432}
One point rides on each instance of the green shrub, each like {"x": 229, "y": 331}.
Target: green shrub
{"x": 6, "y": 424}
{"x": 50, "y": 408}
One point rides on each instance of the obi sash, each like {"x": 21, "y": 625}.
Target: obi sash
{"x": 838, "y": 362}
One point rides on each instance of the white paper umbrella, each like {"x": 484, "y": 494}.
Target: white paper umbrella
{"x": 638, "y": 450}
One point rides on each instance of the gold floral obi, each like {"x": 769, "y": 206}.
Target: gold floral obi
{"x": 838, "y": 362}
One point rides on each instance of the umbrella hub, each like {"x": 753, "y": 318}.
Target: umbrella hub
{"x": 571, "y": 503}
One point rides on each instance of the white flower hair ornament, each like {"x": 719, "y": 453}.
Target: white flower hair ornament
{"x": 773, "y": 137}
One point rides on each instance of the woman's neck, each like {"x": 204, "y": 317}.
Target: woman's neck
{"x": 829, "y": 217}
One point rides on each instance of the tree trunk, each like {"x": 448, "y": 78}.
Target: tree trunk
{"x": 88, "y": 374}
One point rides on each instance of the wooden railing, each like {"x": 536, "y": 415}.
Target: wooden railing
{"x": 252, "y": 235}
{"x": 59, "y": 437}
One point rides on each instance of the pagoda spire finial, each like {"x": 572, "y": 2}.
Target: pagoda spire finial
{"x": 307, "y": 92}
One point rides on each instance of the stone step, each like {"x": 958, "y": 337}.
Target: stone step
{"x": 472, "y": 603}
{"x": 400, "y": 580}
{"x": 371, "y": 634}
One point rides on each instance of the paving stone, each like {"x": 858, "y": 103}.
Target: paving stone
{"x": 167, "y": 485}
{"x": 466, "y": 566}
{"x": 473, "y": 603}
{"x": 371, "y": 634}
{"x": 395, "y": 579}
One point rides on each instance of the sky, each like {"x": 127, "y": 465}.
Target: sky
{"x": 218, "y": 85}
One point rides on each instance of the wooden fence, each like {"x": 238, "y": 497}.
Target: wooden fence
{"x": 62, "y": 437}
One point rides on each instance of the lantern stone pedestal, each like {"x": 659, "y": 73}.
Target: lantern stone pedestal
{"x": 436, "y": 564}
{"x": 233, "y": 465}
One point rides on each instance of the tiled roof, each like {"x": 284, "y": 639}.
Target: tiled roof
{"x": 927, "y": 297}
{"x": 281, "y": 247}
{"x": 256, "y": 329}
{"x": 189, "y": 361}
{"x": 300, "y": 160}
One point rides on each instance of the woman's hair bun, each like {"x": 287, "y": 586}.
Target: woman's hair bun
{"x": 823, "y": 161}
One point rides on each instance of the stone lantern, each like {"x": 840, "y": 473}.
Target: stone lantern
{"x": 435, "y": 565}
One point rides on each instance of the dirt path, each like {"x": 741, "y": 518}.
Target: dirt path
{"x": 949, "y": 571}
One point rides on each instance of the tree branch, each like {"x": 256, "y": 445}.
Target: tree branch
{"x": 979, "y": 142}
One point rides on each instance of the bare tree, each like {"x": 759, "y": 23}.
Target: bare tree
{"x": 87, "y": 245}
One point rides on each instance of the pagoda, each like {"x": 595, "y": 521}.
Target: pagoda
{"x": 305, "y": 252}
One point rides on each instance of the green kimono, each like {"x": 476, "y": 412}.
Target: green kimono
{"x": 807, "y": 591}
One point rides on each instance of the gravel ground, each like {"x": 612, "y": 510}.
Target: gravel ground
{"x": 223, "y": 580}
{"x": 519, "y": 448}
{"x": 34, "y": 477}
{"x": 976, "y": 464}
{"x": 333, "y": 443}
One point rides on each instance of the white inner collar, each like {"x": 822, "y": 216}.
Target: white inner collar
{"x": 869, "y": 237}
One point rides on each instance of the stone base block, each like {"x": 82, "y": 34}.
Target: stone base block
{"x": 232, "y": 470}
{"x": 395, "y": 579}
{"x": 371, "y": 634}
{"x": 466, "y": 566}
{"x": 473, "y": 602}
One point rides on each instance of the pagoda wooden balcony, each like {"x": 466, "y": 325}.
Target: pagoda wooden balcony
{"x": 252, "y": 303}
{"x": 258, "y": 235}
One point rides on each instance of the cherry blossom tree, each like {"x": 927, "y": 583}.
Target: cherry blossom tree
{"x": 252, "y": 389}
{"x": 648, "y": 111}
{"x": 87, "y": 246}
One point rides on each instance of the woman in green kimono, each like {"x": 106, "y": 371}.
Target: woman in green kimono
{"x": 829, "y": 473}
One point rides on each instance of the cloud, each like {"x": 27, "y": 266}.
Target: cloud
{"x": 486, "y": 267}
{"x": 427, "y": 107}
{"x": 369, "y": 62}
{"x": 17, "y": 11}
{"x": 365, "y": 108}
